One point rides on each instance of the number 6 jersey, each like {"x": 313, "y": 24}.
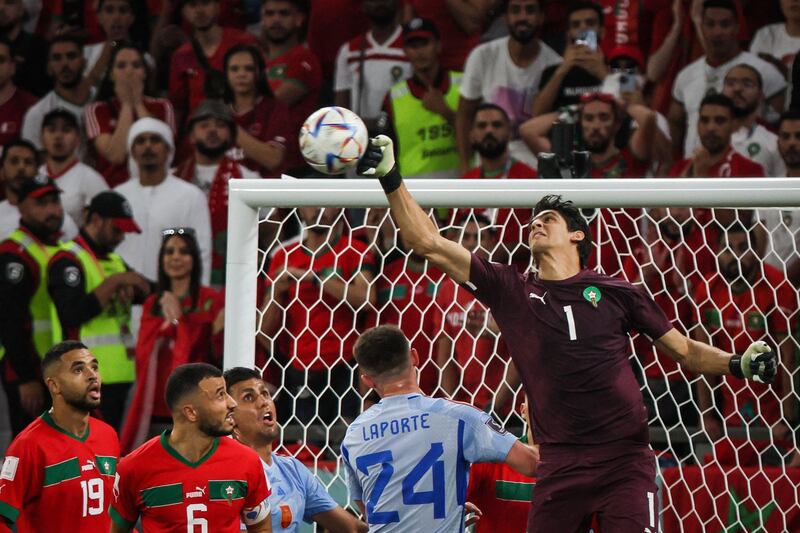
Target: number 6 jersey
{"x": 408, "y": 456}
{"x": 173, "y": 495}
{"x": 55, "y": 481}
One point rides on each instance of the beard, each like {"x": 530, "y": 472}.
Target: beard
{"x": 214, "y": 428}
{"x": 736, "y": 270}
{"x": 83, "y": 403}
{"x": 713, "y": 143}
{"x": 791, "y": 157}
{"x": 522, "y": 33}
{"x": 490, "y": 147}
{"x": 277, "y": 36}
{"x": 212, "y": 152}
{"x": 745, "y": 111}
{"x": 599, "y": 146}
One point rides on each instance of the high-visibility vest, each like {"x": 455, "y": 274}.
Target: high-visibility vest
{"x": 427, "y": 142}
{"x": 46, "y": 327}
{"x": 103, "y": 333}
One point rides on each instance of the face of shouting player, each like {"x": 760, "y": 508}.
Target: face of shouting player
{"x": 255, "y": 415}
{"x": 77, "y": 380}
{"x": 214, "y": 407}
{"x": 549, "y": 231}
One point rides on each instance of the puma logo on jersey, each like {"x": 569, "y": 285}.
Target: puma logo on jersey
{"x": 88, "y": 466}
{"x": 199, "y": 492}
{"x": 534, "y": 296}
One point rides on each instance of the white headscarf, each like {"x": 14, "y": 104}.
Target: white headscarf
{"x": 150, "y": 125}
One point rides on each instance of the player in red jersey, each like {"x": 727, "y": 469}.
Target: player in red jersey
{"x": 58, "y": 473}
{"x": 567, "y": 329}
{"x": 193, "y": 478}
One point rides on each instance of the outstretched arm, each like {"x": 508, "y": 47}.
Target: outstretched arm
{"x": 757, "y": 363}
{"x": 418, "y": 230}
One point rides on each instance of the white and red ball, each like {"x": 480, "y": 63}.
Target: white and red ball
{"x": 333, "y": 139}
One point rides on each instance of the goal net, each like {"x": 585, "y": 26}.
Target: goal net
{"x": 311, "y": 263}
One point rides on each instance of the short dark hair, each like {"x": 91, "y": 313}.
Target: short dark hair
{"x": 382, "y": 351}
{"x": 752, "y": 69}
{"x": 16, "y": 143}
{"x": 238, "y": 374}
{"x": 55, "y": 352}
{"x": 580, "y": 5}
{"x": 490, "y": 106}
{"x": 64, "y": 38}
{"x": 185, "y": 379}
{"x": 791, "y": 114}
{"x": 718, "y": 99}
{"x": 722, "y": 4}
{"x": 60, "y": 113}
{"x": 575, "y": 221}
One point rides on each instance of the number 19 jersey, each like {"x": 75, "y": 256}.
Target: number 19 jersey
{"x": 408, "y": 457}
{"x": 57, "y": 482}
{"x": 172, "y": 494}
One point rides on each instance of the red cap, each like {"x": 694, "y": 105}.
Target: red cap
{"x": 631, "y": 52}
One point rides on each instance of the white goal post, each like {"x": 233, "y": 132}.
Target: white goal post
{"x": 246, "y": 196}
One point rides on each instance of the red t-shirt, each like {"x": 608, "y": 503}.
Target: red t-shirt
{"x": 298, "y": 65}
{"x": 617, "y": 228}
{"x": 187, "y": 76}
{"x": 732, "y": 165}
{"x": 734, "y": 320}
{"x": 321, "y": 329}
{"x": 12, "y": 111}
{"x": 482, "y": 360}
{"x": 405, "y": 298}
{"x": 101, "y": 117}
{"x": 331, "y": 24}
{"x": 456, "y": 44}
{"x": 268, "y": 121}
{"x": 503, "y": 494}
{"x": 513, "y": 222}
{"x": 673, "y": 269}
{"x": 58, "y": 482}
{"x": 173, "y": 495}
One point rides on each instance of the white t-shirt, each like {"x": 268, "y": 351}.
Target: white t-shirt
{"x": 760, "y": 145}
{"x": 204, "y": 175}
{"x": 491, "y": 75}
{"x": 171, "y": 204}
{"x": 776, "y": 41}
{"x": 783, "y": 228}
{"x": 698, "y": 78}
{"x": 79, "y": 184}
{"x": 384, "y": 65}
{"x": 9, "y": 221}
{"x": 32, "y": 123}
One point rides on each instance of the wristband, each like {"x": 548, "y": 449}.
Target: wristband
{"x": 735, "y": 366}
{"x": 391, "y": 181}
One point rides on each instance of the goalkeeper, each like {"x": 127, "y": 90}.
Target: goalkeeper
{"x": 567, "y": 328}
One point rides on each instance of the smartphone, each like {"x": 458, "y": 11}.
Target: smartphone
{"x": 588, "y": 38}
{"x": 627, "y": 83}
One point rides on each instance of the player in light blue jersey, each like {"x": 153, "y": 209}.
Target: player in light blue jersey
{"x": 408, "y": 456}
{"x": 296, "y": 494}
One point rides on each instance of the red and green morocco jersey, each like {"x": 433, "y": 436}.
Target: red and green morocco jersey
{"x": 55, "y": 481}
{"x": 170, "y": 494}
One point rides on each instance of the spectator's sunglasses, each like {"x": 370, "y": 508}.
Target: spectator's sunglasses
{"x": 603, "y": 97}
{"x": 178, "y": 231}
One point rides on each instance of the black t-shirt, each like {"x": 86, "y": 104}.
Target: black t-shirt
{"x": 578, "y": 81}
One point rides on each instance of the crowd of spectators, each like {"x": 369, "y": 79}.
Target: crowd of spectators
{"x": 122, "y": 122}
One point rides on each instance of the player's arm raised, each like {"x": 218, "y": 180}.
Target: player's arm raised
{"x": 419, "y": 231}
{"x": 757, "y": 363}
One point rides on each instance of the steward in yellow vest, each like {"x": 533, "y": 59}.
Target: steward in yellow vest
{"x": 93, "y": 290}
{"x": 421, "y": 111}
{"x": 28, "y": 321}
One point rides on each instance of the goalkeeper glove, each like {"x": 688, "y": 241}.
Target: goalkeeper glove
{"x": 378, "y": 162}
{"x": 758, "y": 363}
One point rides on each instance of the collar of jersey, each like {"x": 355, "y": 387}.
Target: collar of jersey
{"x": 52, "y": 423}
{"x": 174, "y": 453}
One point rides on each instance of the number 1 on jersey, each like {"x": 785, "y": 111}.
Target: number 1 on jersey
{"x": 573, "y": 335}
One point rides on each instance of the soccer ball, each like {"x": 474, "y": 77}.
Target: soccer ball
{"x": 333, "y": 139}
